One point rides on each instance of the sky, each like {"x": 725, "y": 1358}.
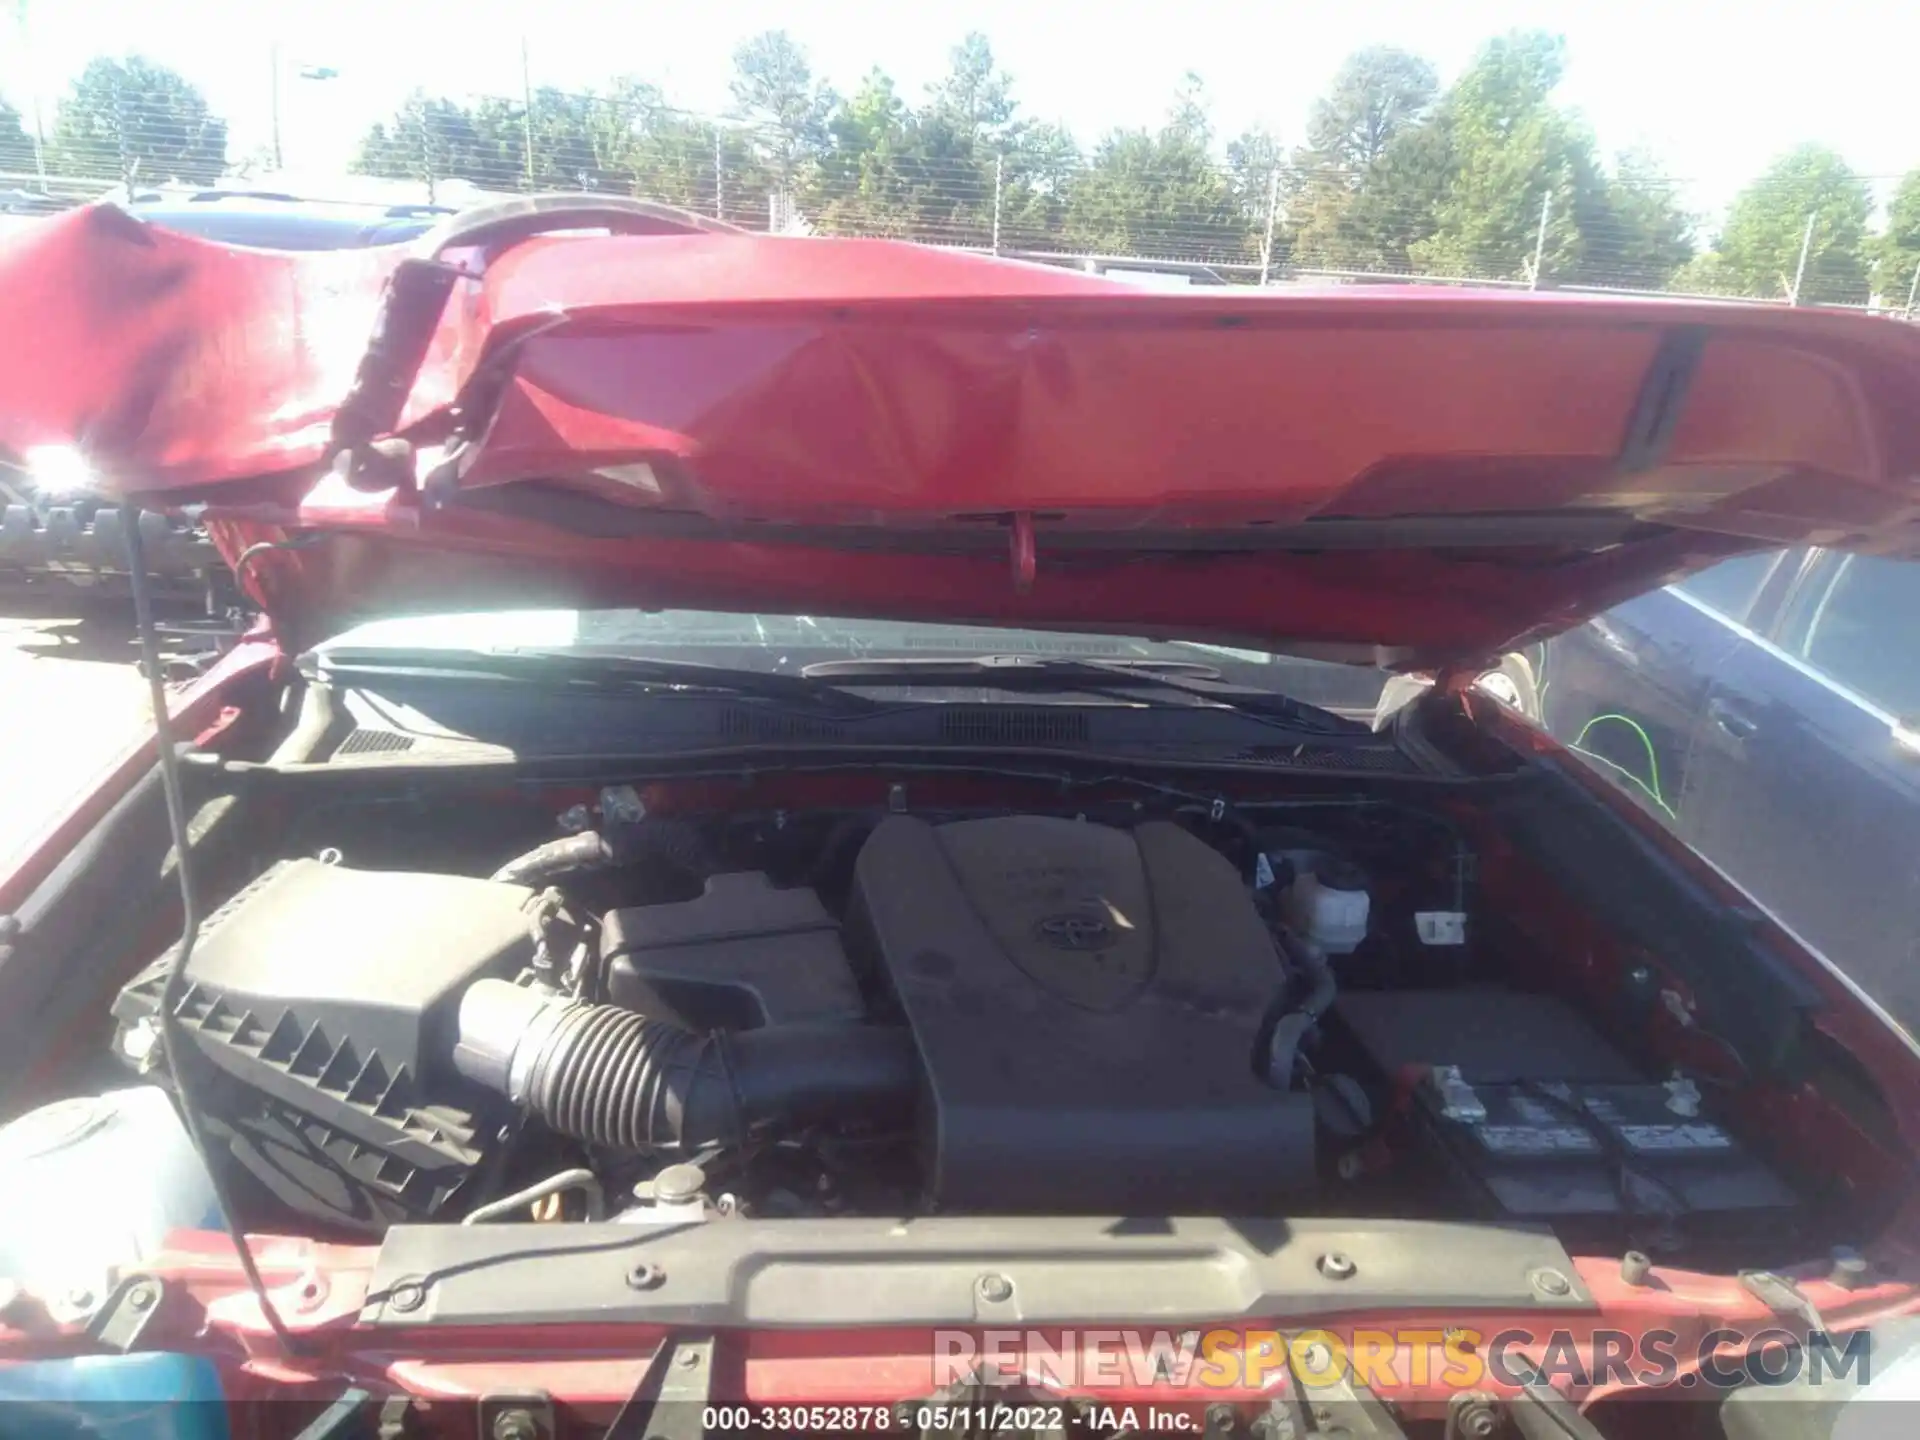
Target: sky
{"x": 1715, "y": 91}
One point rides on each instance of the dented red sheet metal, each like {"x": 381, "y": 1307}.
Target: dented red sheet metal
{"x": 820, "y": 425}
{"x": 173, "y": 361}
{"x": 875, "y": 383}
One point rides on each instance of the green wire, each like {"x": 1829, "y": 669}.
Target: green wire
{"x": 1627, "y": 774}
{"x": 1652, "y": 784}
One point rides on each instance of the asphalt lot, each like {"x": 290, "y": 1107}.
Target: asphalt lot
{"x": 71, "y": 701}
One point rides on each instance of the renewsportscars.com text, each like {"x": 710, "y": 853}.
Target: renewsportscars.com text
{"x": 1454, "y": 1358}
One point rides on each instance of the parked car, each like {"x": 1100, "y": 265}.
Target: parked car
{"x": 1766, "y": 709}
{"x": 755, "y": 871}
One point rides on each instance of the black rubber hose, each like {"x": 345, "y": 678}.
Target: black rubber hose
{"x": 666, "y": 841}
{"x": 612, "y": 1077}
{"x": 1291, "y": 1028}
{"x": 548, "y": 862}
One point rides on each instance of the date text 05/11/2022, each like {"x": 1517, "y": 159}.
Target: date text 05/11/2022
{"x": 919, "y": 1419}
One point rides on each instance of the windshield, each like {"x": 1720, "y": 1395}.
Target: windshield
{"x": 787, "y": 644}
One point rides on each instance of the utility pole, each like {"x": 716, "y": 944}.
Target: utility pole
{"x": 1800, "y": 270}
{"x": 719, "y": 174}
{"x": 1273, "y": 211}
{"x": 1540, "y": 241}
{"x": 1912, "y": 290}
{"x": 273, "y": 99}
{"x": 999, "y": 168}
{"x": 526, "y": 106}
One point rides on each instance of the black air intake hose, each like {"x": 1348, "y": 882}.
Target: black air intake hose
{"x": 566, "y": 856}
{"x": 612, "y": 1077}
{"x": 663, "y": 841}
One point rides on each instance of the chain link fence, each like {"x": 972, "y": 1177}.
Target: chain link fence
{"x": 1238, "y": 221}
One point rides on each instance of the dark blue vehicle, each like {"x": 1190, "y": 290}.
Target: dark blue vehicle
{"x": 1768, "y": 709}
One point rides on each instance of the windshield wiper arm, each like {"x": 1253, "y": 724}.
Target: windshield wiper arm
{"x": 569, "y": 666}
{"x": 1093, "y": 675}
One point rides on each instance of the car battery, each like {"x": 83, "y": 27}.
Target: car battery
{"x": 1534, "y": 1117}
{"x": 1547, "y": 1150}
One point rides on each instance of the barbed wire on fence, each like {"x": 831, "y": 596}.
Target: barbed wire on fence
{"x": 1280, "y": 220}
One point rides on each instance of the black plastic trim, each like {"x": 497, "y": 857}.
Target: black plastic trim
{"x": 926, "y": 1271}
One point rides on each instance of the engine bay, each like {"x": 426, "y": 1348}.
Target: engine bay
{"x": 658, "y": 1014}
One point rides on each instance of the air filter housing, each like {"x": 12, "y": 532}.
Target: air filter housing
{"x": 327, "y": 998}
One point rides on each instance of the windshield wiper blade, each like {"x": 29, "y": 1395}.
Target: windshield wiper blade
{"x": 1093, "y": 675}
{"x": 569, "y": 666}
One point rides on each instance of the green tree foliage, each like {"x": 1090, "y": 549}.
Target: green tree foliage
{"x": 1369, "y": 180}
{"x": 965, "y": 129}
{"x": 137, "y": 123}
{"x": 1644, "y": 237}
{"x": 1159, "y": 193}
{"x": 1396, "y": 175}
{"x": 866, "y": 185}
{"x": 1513, "y": 155}
{"x": 432, "y": 140}
{"x": 16, "y": 146}
{"x": 1898, "y": 253}
{"x": 785, "y": 108}
{"x": 1758, "y": 251}
{"x": 626, "y": 141}
{"x": 1396, "y": 181}
{"x": 1377, "y": 94}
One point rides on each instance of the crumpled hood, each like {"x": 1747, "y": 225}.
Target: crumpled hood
{"x": 726, "y": 421}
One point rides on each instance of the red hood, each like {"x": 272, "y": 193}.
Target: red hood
{"x": 863, "y": 427}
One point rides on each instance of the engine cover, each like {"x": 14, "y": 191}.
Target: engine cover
{"x": 1088, "y": 1003}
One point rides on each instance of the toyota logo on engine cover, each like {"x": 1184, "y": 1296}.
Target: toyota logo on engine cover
{"x": 1078, "y": 931}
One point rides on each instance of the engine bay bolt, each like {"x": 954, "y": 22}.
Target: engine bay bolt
{"x": 1551, "y": 1282}
{"x": 515, "y": 1425}
{"x": 407, "y": 1295}
{"x": 1473, "y": 1415}
{"x": 995, "y": 1288}
{"x": 1337, "y": 1265}
{"x": 646, "y": 1276}
{"x": 1849, "y": 1269}
{"x": 80, "y": 1298}
{"x": 142, "y": 1296}
{"x": 678, "y": 1183}
{"x": 1635, "y": 1267}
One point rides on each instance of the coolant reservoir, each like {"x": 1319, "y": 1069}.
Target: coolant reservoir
{"x": 94, "y": 1185}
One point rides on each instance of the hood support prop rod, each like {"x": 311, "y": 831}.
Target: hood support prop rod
{"x": 178, "y": 1047}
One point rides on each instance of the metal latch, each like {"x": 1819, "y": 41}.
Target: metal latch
{"x": 120, "y": 1321}
{"x": 1782, "y": 1296}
